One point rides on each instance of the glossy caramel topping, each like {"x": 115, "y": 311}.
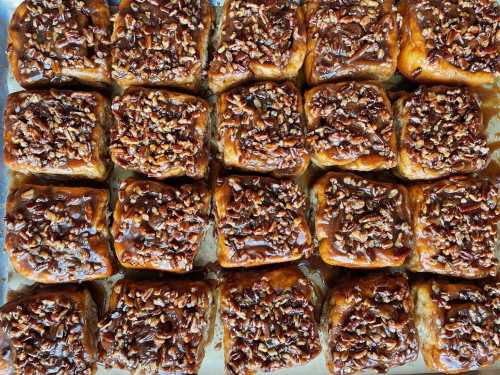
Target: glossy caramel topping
{"x": 264, "y": 120}
{"x": 445, "y": 129}
{"x": 264, "y": 218}
{"x": 156, "y": 328}
{"x": 375, "y": 329}
{"x": 462, "y": 32}
{"x": 469, "y": 328}
{"x": 269, "y": 327}
{"x": 57, "y": 233}
{"x": 59, "y": 35}
{"x": 157, "y": 132}
{"x": 159, "y": 40}
{"x": 160, "y": 226}
{"x": 256, "y": 32}
{"x": 52, "y": 129}
{"x": 459, "y": 218}
{"x": 349, "y": 121}
{"x": 47, "y": 336}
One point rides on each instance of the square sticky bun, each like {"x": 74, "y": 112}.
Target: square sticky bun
{"x": 268, "y": 320}
{"x": 350, "y": 39}
{"x": 159, "y": 227}
{"x": 369, "y": 323}
{"x": 440, "y": 132}
{"x": 161, "y": 43}
{"x": 257, "y": 39}
{"x": 455, "y": 227}
{"x": 260, "y": 220}
{"x": 360, "y": 222}
{"x": 160, "y": 133}
{"x": 450, "y": 41}
{"x": 159, "y": 327}
{"x": 51, "y": 331}
{"x": 260, "y": 129}
{"x": 60, "y": 43}
{"x": 350, "y": 125}
{"x": 458, "y": 324}
{"x": 58, "y": 234}
{"x": 57, "y": 133}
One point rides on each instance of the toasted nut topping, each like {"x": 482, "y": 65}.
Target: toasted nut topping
{"x": 349, "y": 121}
{"x": 256, "y": 32}
{"x": 48, "y": 130}
{"x": 157, "y": 41}
{"x": 445, "y": 130}
{"x": 462, "y": 32}
{"x": 375, "y": 329}
{"x": 158, "y": 328}
{"x": 160, "y": 134}
{"x": 459, "y": 219}
{"x": 264, "y": 219}
{"x": 58, "y": 234}
{"x": 264, "y": 121}
{"x": 59, "y": 35}
{"x": 160, "y": 226}
{"x": 469, "y": 330}
{"x": 269, "y": 327}
{"x": 47, "y": 336}
{"x": 348, "y": 33}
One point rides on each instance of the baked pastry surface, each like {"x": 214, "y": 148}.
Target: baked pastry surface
{"x": 260, "y": 220}
{"x": 51, "y": 331}
{"x": 350, "y": 39}
{"x": 57, "y": 133}
{"x": 458, "y": 324}
{"x": 160, "y": 133}
{"x": 156, "y": 327}
{"x": 58, "y": 234}
{"x": 260, "y": 129}
{"x": 369, "y": 322}
{"x": 455, "y": 227}
{"x": 269, "y": 320}
{"x": 441, "y": 133}
{"x": 257, "y": 39}
{"x": 361, "y": 223}
{"x": 450, "y": 41}
{"x": 60, "y": 42}
{"x": 157, "y": 226}
{"x": 161, "y": 43}
{"x": 350, "y": 125}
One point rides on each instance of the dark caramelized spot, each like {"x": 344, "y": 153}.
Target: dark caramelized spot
{"x": 157, "y": 328}
{"x": 462, "y": 32}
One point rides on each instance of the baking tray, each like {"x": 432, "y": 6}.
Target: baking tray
{"x": 213, "y": 363}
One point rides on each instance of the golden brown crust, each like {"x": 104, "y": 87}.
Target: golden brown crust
{"x": 51, "y": 331}
{"x": 350, "y": 125}
{"x": 57, "y": 133}
{"x": 159, "y": 227}
{"x": 356, "y": 39}
{"x": 369, "y": 324}
{"x": 458, "y": 324}
{"x": 156, "y": 326}
{"x": 160, "y": 133}
{"x": 260, "y": 220}
{"x": 441, "y": 132}
{"x": 455, "y": 227}
{"x": 161, "y": 43}
{"x": 58, "y": 234}
{"x": 260, "y": 129}
{"x": 56, "y": 43}
{"x": 257, "y": 40}
{"x": 452, "y": 42}
{"x": 361, "y": 223}
{"x": 268, "y": 319}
